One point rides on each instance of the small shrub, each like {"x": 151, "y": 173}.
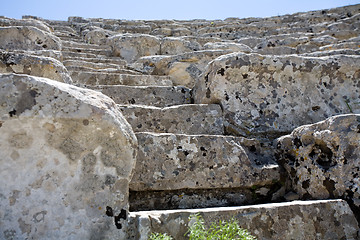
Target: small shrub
{"x": 160, "y": 236}
{"x": 223, "y": 230}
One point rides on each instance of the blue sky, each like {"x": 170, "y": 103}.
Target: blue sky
{"x": 162, "y": 9}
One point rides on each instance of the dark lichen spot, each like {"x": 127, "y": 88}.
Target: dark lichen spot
{"x": 186, "y": 153}
{"x": 245, "y": 75}
{"x": 306, "y": 184}
{"x": 109, "y": 180}
{"x": 252, "y": 148}
{"x": 109, "y": 211}
{"x": 122, "y": 215}
{"x": 330, "y": 186}
{"x": 85, "y": 122}
{"x": 221, "y": 71}
{"x": 323, "y": 155}
{"x": 297, "y": 142}
{"x": 12, "y": 113}
{"x": 132, "y": 101}
{"x": 208, "y": 92}
{"x": 315, "y": 108}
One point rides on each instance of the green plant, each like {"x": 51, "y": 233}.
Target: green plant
{"x": 223, "y": 230}
{"x": 160, "y": 236}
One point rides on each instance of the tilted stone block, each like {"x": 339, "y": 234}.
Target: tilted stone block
{"x": 302, "y": 220}
{"x": 27, "y": 38}
{"x": 172, "y": 161}
{"x": 66, "y": 156}
{"x": 9, "y": 22}
{"x": 270, "y": 94}
{"x": 183, "y": 69}
{"x": 133, "y": 46}
{"x": 39, "y": 66}
{"x": 322, "y": 159}
{"x": 186, "y": 119}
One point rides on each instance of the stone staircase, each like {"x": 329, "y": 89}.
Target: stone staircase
{"x": 191, "y": 155}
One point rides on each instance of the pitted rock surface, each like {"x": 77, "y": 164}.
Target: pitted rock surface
{"x": 133, "y": 46}
{"x": 322, "y": 159}
{"x": 67, "y": 156}
{"x": 327, "y": 219}
{"x": 27, "y": 38}
{"x": 264, "y": 94}
{"x": 170, "y": 161}
{"x": 19, "y": 63}
{"x": 146, "y": 95}
{"x": 183, "y": 69}
{"x": 189, "y": 119}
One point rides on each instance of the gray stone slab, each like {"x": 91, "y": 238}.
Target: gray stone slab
{"x": 146, "y": 95}
{"x": 186, "y": 119}
{"x": 301, "y": 220}
{"x": 177, "y": 161}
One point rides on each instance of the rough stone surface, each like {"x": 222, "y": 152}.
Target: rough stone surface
{"x": 183, "y": 69}
{"x": 170, "y": 161}
{"x": 322, "y": 159}
{"x": 174, "y": 46}
{"x": 67, "y": 155}
{"x": 234, "y": 47}
{"x": 302, "y": 220}
{"x": 265, "y": 94}
{"x": 133, "y": 46}
{"x": 9, "y": 22}
{"x": 101, "y": 78}
{"x": 182, "y": 119}
{"x": 146, "y": 95}
{"x": 33, "y": 65}
{"x": 27, "y": 38}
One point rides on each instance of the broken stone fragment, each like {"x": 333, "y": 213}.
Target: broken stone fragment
{"x": 27, "y": 38}
{"x": 22, "y": 63}
{"x": 66, "y": 157}
{"x": 322, "y": 159}
{"x": 262, "y": 94}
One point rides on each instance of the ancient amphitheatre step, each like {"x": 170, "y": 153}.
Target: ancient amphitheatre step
{"x": 321, "y": 219}
{"x": 181, "y": 119}
{"x": 130, "y": 78}
{"x": 158, "y": 96}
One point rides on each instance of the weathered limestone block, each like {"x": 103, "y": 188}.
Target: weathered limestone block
{"x": 170, "y": 161}
{"x": 273, "y": 94}
{"x": 9, "y": 22}
{"x": 33, "y": 65}
{"x": 302, "y": 220}
{"x": 173, "y": 46}
{"x": 66, "y": 157}
{"x": 27, "y": 38}
{"x": 183, "y": 69}
{"x": 99, "y": 78}
{"x": 234, "y": 47}
{"x": 98, "y": 36}
{"x": 344, "y": 45}
{"x": 157, "y": 96}
{"x": 133, "y": 46}
{"x": 322, "y": 159}
{"x": 182, "y": 119}
{"x": 279, "y": 50}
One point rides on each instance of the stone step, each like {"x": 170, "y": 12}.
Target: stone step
{"x": 61, "y": 28}
{"x": 158, "y": 96}
{"x": 78, "y": 69}
{"x": 71, "y": 44}
{"x": 129, "y": 78}
{"x": 109, "y": 60}
{"x": 105, "y": 52}
{"x": 87, "y": 64}
{"x": 186, "y": 119}
{"x": 301, "y": 220}
{"x": 69, "y": 54}
{"x": 177, "y": 161}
